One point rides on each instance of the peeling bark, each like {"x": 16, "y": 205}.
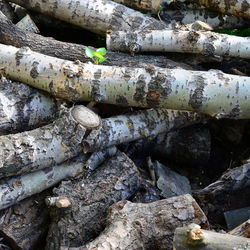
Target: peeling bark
{"x": 207, "y": 43}
{"x": 213, "y": 92}
{"x": 94, "y": 15}
{"x": 48, "y": 145}
{"x": 214, "y": 19}
{"x": 152, "y": 5}
{"x": 235, "y": 7}
{"x": 25, "y": 225}
{"x": 192, "y": 237}
{"x": 126, "y": 128}
{"x": 116, "y": 179}
{"x": 12, "y": 35}
{"x": 24, "y": 108}
{"x": 146, "y": 226}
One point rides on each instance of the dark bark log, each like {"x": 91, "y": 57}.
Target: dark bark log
{"x": 146, "y": 226}
{"x": 192, "y": 237}
{"x": 115, "y": 180}
{"x": 12, "y": 35}
{"x": 24, "y": 108}
{"x": 228, "y": 193}
{"x": 46, "y": 146}
{"x": 242, "y": 230}
{"x": 24, "y": 226}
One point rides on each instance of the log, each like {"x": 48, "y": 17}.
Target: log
{"x": 28, "y": 24}
{"x": 242, "y": 230}
{"x": 24, "y": 108}
{"x": 25, "y": 225}
{"x": 152, "y": 5}
{"x": 206, "y": 43}
{"x": 214, "y": 93}
{"x": 131, "y": 127}
{"x": 12, "y": 35}
{"x": 97, "y": 16}
{"x": 6, "y": 9}
{"x": 227, "y": 193}
{"x": 212, "y": 18}
{"x": 235, "y": 7}
{"x": 46, "y": 146}
{"x": 146, "y": 226}
{"x": 116, "y": 179}
{"x": 192, "y": 237}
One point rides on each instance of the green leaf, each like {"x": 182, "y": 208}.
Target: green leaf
{"x": 98, "y": 55}
{"x": 102, "y": 51}
{"x": 89, "y": 52}
{"x": 103, "y": 59}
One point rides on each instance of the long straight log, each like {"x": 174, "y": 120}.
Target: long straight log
{"x": 10, "y": 34}
{"x": 235, "y": 7}
{"x": 64, "y": 139}
{"x": 145, "y": 226}
{"x": 46, "y": 146}
{"x": 83, "y": 220}
{"x": 192, "y": 237}
{"x": 95, "y": 15}
{"x": 214, "y": 93}
{"x": 152, "y": 5}
{"x": 24, "y": 108}
{"x": 15, "y": 189}
{"x": 207, "y": 43}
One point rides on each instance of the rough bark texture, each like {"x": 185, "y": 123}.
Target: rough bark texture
{"x": 228, "y": 193}
{"x": 24, "y": 108}
{"x": 25, "y": 225}
{"x": 207, "y": 43}
{"x": 6, "y": 9}
{"x": 147, "y": 123}
{"x": 12, "y": 35}
{"x": 242, "y": 230}
{"x": 235, "y": 7}
{"x": 147, "y": 226}
{"x": 152, "y": 5}
{"x": 188, "y": 238}
{"x": 214, "y": 19}
{"x": 43, "y": 147}
{"x": 214, "y": 93}
{"x": 115, "y": 180}
{"x": 95, "y": 15}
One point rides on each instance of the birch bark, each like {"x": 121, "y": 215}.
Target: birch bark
{"x": 46, "y": 146}
{"x": 207, "y": 43}
{"x": 235, "y": 7}
{"x": 152, "y": 5}
{"x": 24, "y": 108}
{"x": 213, "y": 92}
{"x": 95, "y": 15}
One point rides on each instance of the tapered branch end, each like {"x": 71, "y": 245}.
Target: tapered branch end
{"x": 85, "y": 117}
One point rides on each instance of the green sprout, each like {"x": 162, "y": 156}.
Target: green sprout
{"x": 97, "y": 56}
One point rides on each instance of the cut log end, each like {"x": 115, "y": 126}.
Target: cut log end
{"x": 86, "y": 117}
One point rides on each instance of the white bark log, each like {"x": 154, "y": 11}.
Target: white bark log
{"x": 126, "y": 128}
{"x": 207, "y": 43}
{"x": 146, "y": 226}
{"x": 152, "y": 5}
{"x": 214, "y": 93}
{"x": 95, "y": 15}
{"x": 46, "y": 146}
{"x": 235, "y": 7}
{"x": 24, "y": 108}
{"x": 15, "y": 189}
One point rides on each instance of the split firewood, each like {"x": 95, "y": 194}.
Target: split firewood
{"x": 25, "y": 224}
{"x": 192, "y": 237}
{"x": 207, "y": 43}
{"x": 116, "y": 179}
{"x": 152, "y": 5}
{"x": 227, "y": 193}
{"x": 54, "y": 143}
{"x": 24, "y": 108}
{"x": 213, "y": 92}
{"x": 48, "y": 145}
{"x": 214, "y": 19}
{"x": 97, "y": 16}
{"x": 10, "y": 34}
{"x": 146, "y": 226}
{"x": 28, "y": 24}
{"x": 235, "y": 7}
{"x": 15, "y": 189}
{"x": 242, "y": 230}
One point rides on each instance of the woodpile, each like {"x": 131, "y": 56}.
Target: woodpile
{"x": 140, "y": 146}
